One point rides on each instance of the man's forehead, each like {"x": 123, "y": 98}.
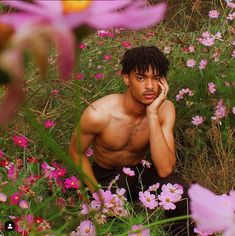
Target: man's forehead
{"x": 149, "y": 71}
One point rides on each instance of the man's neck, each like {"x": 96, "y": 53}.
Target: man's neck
{"x": 132, "y": 107}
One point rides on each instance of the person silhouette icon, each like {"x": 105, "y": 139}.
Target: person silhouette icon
{"x": 9, "y": 226}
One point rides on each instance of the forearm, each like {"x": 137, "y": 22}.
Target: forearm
{"x": 83, "y": 162}
{"x": 162, "y": 156}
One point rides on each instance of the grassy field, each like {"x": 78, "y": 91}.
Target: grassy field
{"x": 201, "y": 51}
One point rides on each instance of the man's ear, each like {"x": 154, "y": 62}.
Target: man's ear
{"x": 126, "y": 80}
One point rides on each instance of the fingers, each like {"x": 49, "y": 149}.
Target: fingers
{"x": 163, "y": 86}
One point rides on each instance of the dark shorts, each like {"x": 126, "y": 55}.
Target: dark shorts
{"x": 143, "y": 178}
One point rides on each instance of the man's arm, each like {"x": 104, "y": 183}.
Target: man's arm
{"x": 162, "y": 139}
{"x": 91, "y": 124}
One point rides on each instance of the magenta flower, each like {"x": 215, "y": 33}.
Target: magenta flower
{"x": 3, "y": 197}
{"x": 213, "y": 14}
{"x": 142, "y": 231}
{"x": 211, "y": 87}
{"x": 190, "y": 63}
{"x": 71, "y": 183}
{"x": 23, "y": 204}
{"x": 89, "y": 152}
{"x": 55, "y": 92}
{"x": 197, "y": 120}
{"x": 126, "y": 44}
{"x": 210, "y": 212}
{"x": 107, "y": 57}
{"x": 148, "y": 199}
{"x": 15, "y": 198}
{"x": 80, "y": 76}
{"x": 49, "y": 124}
{"x": 128, "y": 171}
{"x": 99, "y": 76}
{"x": 82, "y": 46}
{"x": 20, "y": 141}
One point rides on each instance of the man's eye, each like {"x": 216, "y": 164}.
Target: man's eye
{"x": 158, "y": 78}
{"x": 140, "y": 78}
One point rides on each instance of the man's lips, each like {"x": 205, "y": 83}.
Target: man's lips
{"x": 149, "y": 95}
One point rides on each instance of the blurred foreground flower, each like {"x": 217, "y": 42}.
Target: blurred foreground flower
{"x": 213, "y": 213}
{"x": 43, "y": 21}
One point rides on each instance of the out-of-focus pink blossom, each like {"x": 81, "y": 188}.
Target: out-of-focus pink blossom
{"x": 233, "y": 53}
{"x": 49, "y": 124}
{"x": 201, "y": 233}
{"x": 82, "y": 46}
{"x": 209, "y": 211}
{"x": 128, "y": 171}
{"x": 231, "y": 16}
{"x": 220, "y": 111}
{"x": 20, "y": 141}
{"x": 230, "y": 4}
{"x": 23, "y": 204}
{"x": 191, "y": 48}
{"x": 233, "y": 110}
{"x": 213, "y": 14}
{"x": 3, "y": 197}
{"x": 197, "y": 120}
{"x": 211, "y": 87}
{"x": 1, "y": 153}
{"x": 12, "y": 173}
{"x": 142, "y": 231}
{"x": 126, "y": 44}
{"x": 86, "y": 228}
{"x": 55, "y": 92}
{"x": 99, "y": 76}
{"x": 202, "y": 64}
{"x": 190, "y": 63}
{"x": 182, "y": 92}
{"x": 80, "y": 76}
{"x": 149, "y": 200}
{"x": 167, "y": 49}
{"x": 107, "y": 57}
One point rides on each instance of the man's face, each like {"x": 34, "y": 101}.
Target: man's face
{"x": 144, "y": 86}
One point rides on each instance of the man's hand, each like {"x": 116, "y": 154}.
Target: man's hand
{"x": 153, "y": 107}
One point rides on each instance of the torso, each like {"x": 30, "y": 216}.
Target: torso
{"x": 124, "y": 140}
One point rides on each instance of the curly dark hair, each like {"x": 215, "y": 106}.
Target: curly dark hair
{"x": 140, "y": 58}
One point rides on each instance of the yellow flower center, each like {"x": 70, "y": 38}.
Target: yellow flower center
{"x": 168, "y": 200}
{"x": 73, "y": 6}
{"x": 72, "y": 183}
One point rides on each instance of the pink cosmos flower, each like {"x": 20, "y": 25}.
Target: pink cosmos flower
{"x": 191, "y": 48}
{"x": 220, "y": 111}
{"x": 167, "y": 200}
{"x": 86, "y": 228}
{"x": 89, "y": 152}
{"x": 128, "y": 171}
{"x": 48, "y": 170}
{"x": 49, "y": 124}
{"x": 23, "y": 204}
{"x": 12, "y": 173}
{"x": 197, "y": 120}
{"x": 211, "y": 87}
{"x": 191, "y": 63}
{"x": 20, "y": 141}
{"x": 142, "y": 231}
{"x": 233, "y": 53}
{"x": 148, "y": 199}
{"x": 173, "y": 188}
{"x": 99, "y": 76}
{"x": 233, "y": 110}
{"x": 167, "y": 49}
{"x": 231, "y": 16}
{"x": 213, "y": 14}
{"x": 230, "y": 3}
{"x": 71, "y": 183}
{"x": 182, "y": 92}
{"x": 154, "y": 187}
{"x": 15, "y": 198}
{"x": 55, "y": 92}
{"x": 202, "y": 64}
{"x": 107, "y": 57}
{"x": 82, "y": 46}
{"x": 209, "y": 211}
{"x": 126, "y": 44}
{"x": 146, "y": 163}
{"x": 80, "y": 76}
{"x": 3, "y": 197}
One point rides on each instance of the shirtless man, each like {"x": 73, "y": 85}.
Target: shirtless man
{"x": 122, "y": 127}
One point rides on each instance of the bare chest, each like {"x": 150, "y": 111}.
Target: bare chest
{"x": 125, "y": 136}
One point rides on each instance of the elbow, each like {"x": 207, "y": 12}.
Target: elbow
{"x": 165, "y": 173}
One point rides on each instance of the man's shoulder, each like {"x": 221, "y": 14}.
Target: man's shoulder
{"x": 98, "y": 112}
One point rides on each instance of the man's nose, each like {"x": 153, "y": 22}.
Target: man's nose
{"x": 148, "y": 84}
